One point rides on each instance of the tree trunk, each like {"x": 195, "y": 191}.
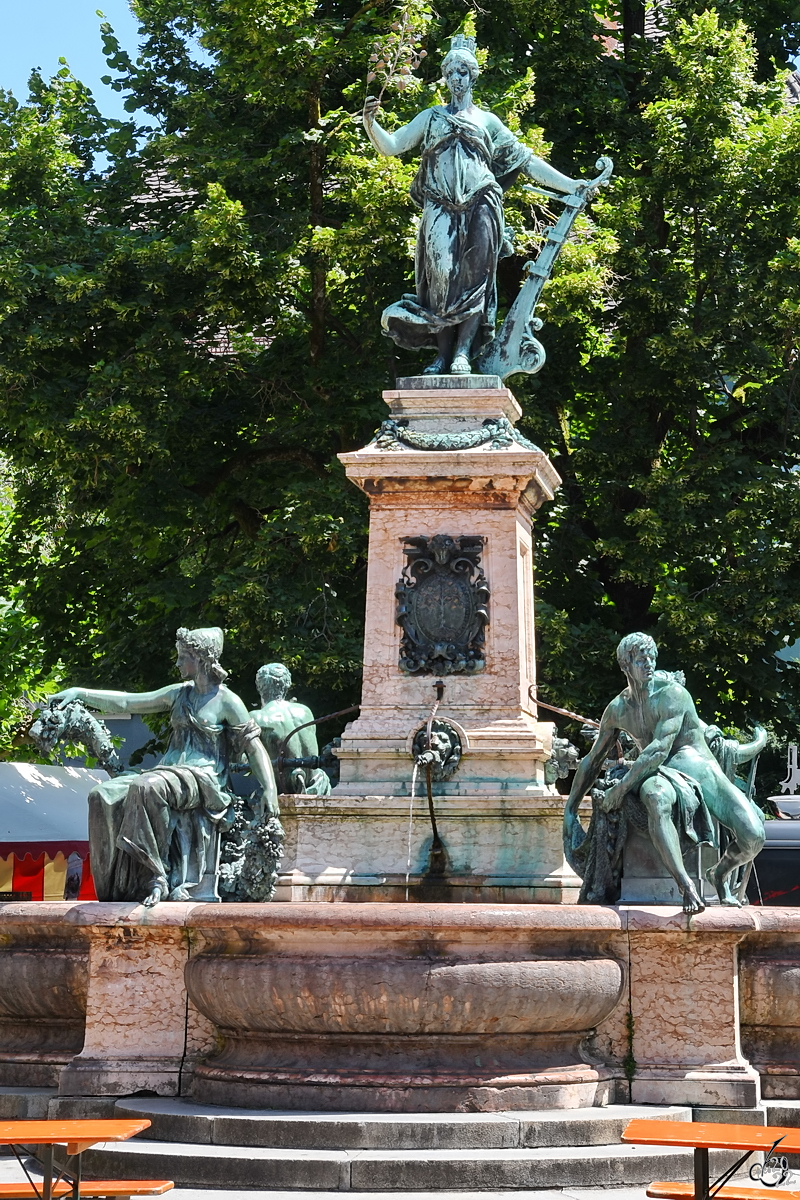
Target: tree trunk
{"x": 633, "y": 12}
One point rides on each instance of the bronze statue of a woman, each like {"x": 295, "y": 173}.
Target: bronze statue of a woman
{"x": 154, "y": 834}
{"x": 468, "y": 160}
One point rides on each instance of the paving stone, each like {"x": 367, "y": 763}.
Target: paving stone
{"x": 624, "y": 1193}
{"x": 185, "y": 1121}
{"x": 389, "y": 1170}
{"x": 359, "y": 1132}
{"x": 564, "y": 1166}
{"x": 82, "y": 1108}
{"x": 176, "y": 1120}
{"x": 782, "y": 1112}
{"x": 173, "y": 1120}
{"x": 205, "y": 1194}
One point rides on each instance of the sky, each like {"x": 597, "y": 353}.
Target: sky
{"x": 36, "y": 33}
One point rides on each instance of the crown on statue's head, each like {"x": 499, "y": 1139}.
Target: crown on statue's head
{"x": 462, "y": 41}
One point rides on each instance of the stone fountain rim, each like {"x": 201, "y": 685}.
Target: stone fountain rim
{"x": 412, "y": 918}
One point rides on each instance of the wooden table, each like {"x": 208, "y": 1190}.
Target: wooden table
{"x": 703, "y": 1136}
{"x": 77, "y": 1136}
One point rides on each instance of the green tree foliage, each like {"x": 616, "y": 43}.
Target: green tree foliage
{"x": 679, "y": 439}
{"x": 25, "y": 676}
{"x": 189, "y": 334}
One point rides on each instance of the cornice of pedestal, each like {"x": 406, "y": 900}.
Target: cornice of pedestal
{"x": 478, "y": 477}
{"x": 452, "y": 409}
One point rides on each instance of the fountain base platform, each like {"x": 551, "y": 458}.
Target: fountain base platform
{"x": 401, "y": 1007}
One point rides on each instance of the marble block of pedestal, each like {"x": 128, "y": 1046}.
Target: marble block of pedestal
{"x": 499, "y": 848}
{"x": 769, "y": 981}
{"x": 645, "y": 879}
{"x": 135, "y": 1036}
{"x": 684, "y": 1008}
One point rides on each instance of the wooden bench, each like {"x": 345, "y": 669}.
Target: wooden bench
{"x": 41, "y": 1138}
{"x": 731, "y": 1191}
{"x": 92, "y": 1189}
{"x": 703, "y": 1136}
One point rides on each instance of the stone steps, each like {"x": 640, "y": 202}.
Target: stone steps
{"x": 782, "y": 1112}
{"x": 420, "y": 1170}
{"x": 185, "y": 1121}
{"x": 209, "y": 1146}
{"x": 26, "y": 1104}
{"x": 378, "y": 1154}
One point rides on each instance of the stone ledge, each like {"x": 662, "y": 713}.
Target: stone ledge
{"x": 531, "y": 802}
{"x": 176, "y": 914}
{"x": 462, "y": 405}
{"x": 425, "y": 384}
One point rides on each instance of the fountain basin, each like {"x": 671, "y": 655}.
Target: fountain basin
{"x": 377, "y": 1008}
{"x": 44, "y": 978}
{"x": 769, "y": 981}
{"x": 315, "y": 994}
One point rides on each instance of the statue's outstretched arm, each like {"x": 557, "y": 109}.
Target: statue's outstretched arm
{"x": 541, "y": 172}
{"x": 122, "y": 702}
{"x": 403, "y": 139}
{"x": 748, "y": 750}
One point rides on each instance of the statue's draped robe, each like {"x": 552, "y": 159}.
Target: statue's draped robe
{"x": 459, "y": 186}
{"x": 598, "y": 857}
{"x": 162, "y": 823}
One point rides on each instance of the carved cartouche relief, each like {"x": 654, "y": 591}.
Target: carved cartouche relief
{"x": 442, "y": 606}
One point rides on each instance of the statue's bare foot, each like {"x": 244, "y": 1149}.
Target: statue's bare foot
{"x": 723, "y": 888}
{"x": 157, "y": 894}
{"x": 460, "y": 365}
{"x": 437, "y": 367}
{"x": 691, "y": 901}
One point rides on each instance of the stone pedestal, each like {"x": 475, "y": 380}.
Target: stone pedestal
{"x": 770, "y": 1000}
{"x": 451, "y": 464}
{"x": 484, "y": 492}
{"x": 645, "y": 879}
{"x": 135, "y": 1035}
